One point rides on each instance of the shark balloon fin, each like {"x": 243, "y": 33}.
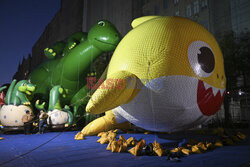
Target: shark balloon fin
{"x": 141, "y": 20}
{"x": 104, "y": 123}
{"x": 119, "y": 88}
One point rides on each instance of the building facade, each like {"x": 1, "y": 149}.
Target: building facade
{"x": 215, "y": 16}
{"x": 240, "y": 14}
{"x": 120, "y": 12}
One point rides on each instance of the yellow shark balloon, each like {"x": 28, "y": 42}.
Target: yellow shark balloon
{"x": 167, "y": 74}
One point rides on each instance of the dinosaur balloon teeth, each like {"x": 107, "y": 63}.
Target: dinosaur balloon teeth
{"x": 209, "y": 98}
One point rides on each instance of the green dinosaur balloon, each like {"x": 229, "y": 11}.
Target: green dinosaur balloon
{"x": 70, "y": 70}
{"x": 56, "y": 94}
{"x": 17, "y": 102}
{"x": 19, "y": 93}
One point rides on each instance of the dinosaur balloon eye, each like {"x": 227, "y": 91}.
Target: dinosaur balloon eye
{"x": 201, "y": 58}
{"x": 101, "y": 23}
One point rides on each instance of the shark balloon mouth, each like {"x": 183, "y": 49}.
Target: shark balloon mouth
{"x": 209, "y": 98}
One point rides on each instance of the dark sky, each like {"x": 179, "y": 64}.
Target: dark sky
{"x": 21, "y": 24}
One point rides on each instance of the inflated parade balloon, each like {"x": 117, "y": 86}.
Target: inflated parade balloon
{"x": 70, "y": 70}
{"x": 166, "y": 74}
{"x": 17, "y": 102}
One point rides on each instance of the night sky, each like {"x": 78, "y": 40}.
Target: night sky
{"x": 21, "y": 24}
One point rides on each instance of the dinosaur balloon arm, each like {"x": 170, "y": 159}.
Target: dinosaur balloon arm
{"x": 9, "y": 92}
{"x": 2, "y": 88}
{"x": 119, "y": 88}
{"x": 40, "y": 106}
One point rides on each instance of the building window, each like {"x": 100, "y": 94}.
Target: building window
{"x": 176, "y": 2}
{"x": 165, "y": 4}
{"x": 196, "y": 7}
{"x": 204, "y": 3}
{"x": 177, "y": 13}
{"x": 188, "y": 11}
{"x": 156, "y": 10}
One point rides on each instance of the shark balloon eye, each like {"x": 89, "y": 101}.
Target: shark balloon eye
{"x": 201, "y": 58}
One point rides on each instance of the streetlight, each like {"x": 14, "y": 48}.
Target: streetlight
{"x": 240, "y": 92}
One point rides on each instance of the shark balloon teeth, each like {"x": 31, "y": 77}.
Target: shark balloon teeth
{"x": 209, "y": 98}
